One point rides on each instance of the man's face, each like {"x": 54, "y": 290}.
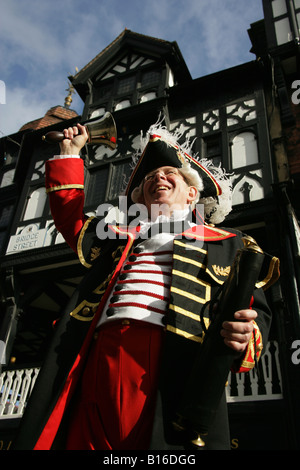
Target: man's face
{"x": 166, "y": 185}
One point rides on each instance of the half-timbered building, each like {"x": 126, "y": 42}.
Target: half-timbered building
{"x": 246, "y": 119}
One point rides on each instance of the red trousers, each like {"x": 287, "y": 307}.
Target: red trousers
{"x": 115, "y": 409}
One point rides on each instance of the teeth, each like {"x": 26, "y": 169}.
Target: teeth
{"x": 161, "y": 187}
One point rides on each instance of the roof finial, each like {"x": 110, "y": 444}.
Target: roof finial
{"x": 68, "y": 99}
{"x": 71, "y": 90}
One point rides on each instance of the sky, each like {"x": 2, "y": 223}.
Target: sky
{"x": 42, "y": 42}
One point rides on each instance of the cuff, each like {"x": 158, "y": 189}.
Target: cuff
{"x": 58, "y": 157}
{"x": 62, "y": 175}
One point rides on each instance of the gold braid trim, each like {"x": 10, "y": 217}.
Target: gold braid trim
{"x": 197, "y": 339}
{"x": 64, "y": 186}
{"x": 79, "y": 243}
{"x": 272, "y": 276}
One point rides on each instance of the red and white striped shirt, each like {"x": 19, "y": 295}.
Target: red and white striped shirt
{"x": 143, "y": 287}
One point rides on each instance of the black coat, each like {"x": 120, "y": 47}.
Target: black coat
{"x": 201, "y": 260}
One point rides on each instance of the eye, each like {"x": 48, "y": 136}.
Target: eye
{"x": 148, "y": 177}
{"x": 171, "y": 172}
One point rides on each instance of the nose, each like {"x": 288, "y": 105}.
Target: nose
{"x": 159, "y": 175}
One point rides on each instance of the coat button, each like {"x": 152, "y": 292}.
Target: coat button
{"x": 110, "y": 312}
{"x": 86, "y": 311}
{"x": 127, "y": 266}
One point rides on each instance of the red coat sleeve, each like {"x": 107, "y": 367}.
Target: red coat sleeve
{"x": 65, "y": 185}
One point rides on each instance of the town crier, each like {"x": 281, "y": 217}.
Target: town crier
{"x": 125, "y": 345}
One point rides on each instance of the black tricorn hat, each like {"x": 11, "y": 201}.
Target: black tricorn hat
{"x": 158, "y": 153}
{"x": 162, "y": 149}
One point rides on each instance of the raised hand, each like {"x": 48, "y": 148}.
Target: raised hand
{"x": 75, "y": 139}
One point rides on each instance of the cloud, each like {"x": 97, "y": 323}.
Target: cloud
{"x": 19, "y": 109}
{"x": 26, "y": 37}
{"x": 23, "y": 106}
{"x": 42, "y": 42}
{"x": 212, "y": 35}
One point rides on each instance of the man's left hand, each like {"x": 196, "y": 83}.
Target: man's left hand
{"x": 237, "y": 334}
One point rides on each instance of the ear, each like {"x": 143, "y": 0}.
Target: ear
{"x": 137, "y": 195}
{"x": 192, "y": 194}
{"x": 141, "y": 199}
{"x": 140, "y": 195}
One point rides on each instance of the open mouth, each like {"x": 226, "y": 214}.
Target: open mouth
{"x": 161, "y": 188}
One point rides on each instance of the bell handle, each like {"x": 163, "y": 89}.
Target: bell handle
{"x": 100, "y": 131}
{"x": 53, "y": 137}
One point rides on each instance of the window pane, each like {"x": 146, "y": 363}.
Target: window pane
{"x": 278, "y": 7}
{"x": 103, "y": 92}
{"x": 5, "y": 216}
{"x": 212, "y": 149}
{"x": 244, "y": 150}
{"x": 283, "y": 31}
{"x": 35, "y": 204}
{"x": 151, "y": 95}
{"x": 97, "y": 187}
{"x": 2, "y": 239}
{"x": 298, "y": 21}
{"x": 122, "y": 105}
{"x": 151, "y": 77}
{"x": 97, "y": 113}
{"x": 126, "y": 85}
{"x": 120, "y": 176}
{"x": 7, "y": 178}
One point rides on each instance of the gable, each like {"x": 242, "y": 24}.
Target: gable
{"x": 129, "y": 62}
